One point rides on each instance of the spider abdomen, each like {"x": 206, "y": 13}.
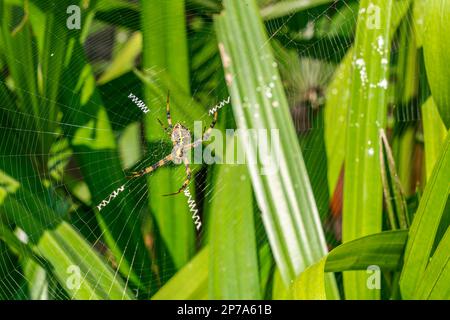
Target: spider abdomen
{"x": 181, "y": 138}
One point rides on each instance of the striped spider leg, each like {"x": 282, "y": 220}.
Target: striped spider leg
{"x": 147, "y": 170}
{"x": 169, "y": 128}
{"x": 186, "y": 182}
{"x": 206, "y": 134}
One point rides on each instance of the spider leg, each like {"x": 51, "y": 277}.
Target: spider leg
{"x": 169, "y": 118}
{"x": 166, "y": 129}
{"x": 152, "y": 168}
{"x": 206, "y": 133}
{"x": 186, "y": 182}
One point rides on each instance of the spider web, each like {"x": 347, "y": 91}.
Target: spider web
{"x": 315, "y": 47}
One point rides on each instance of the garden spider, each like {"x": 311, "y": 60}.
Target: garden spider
{"x": 181, "y": 140}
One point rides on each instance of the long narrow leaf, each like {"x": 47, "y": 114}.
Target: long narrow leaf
{"x": 436, "y": 46}
{"x": 367, "y": 115}
{"x": 164, "y": 47}
{"x": 284, "y": 196}
{"x": 434, "y": 284}
{"x": 338, "y": 100}
{"x": 190, "y": 283}
{"x": 426, "y": 223}
{"x": 434, "y": 134}
{"x": 234, "y": 264}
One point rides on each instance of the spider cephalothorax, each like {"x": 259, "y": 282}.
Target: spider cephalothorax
{"x": 181, "y": 140}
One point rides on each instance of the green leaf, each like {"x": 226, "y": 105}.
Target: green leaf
{"x": 126, "y": 15}
{"x": 367, "y": 115}
{"x": 283, "y": 8}
{"x": 183, "y": 107}
{"x": 213, "y": 5}
{"x": 338, "y": 101}
{"x": 21, "y": 48}
{"x": 165, "y": 48}
{"x": 434, "y": 134}
{"x": 407, "y": 64}
{"x": 124, "y": 61}
{"x": 419, "y": 13}
{"x": 403, "y": 146}
{"x": 284, "y": 193}
{"x": 12, "y": 283}
{"x": 426, "y": 223}
{"x": 311, "y": 283}
{"x": 394, "y": 196}
{"x": 280, "y": 291}
{"x": 190, "y": 283}
{"x": 434, "y": 284}
{"x": 234, "y": 264}
{"x": 87, "y": 126}
{"x": 383, "y": 249}
{"x": 62, "y": 246}
{"x": 37, "y": 279}
{"x": 336, "y": 108}
{"x": 436, "y": 47}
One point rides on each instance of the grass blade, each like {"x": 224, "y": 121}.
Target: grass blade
{"x": 338, "y": 101}
{"x": 92, "y": 139}
{"x": 426, "y": 223}
{"x": 285, "y": 197}
{"x": 392, "y": 187}
{"x": 434, "y": 134}
{"x": 165, "y": 48}
{"x": 434, "y": 284}
{"x": 367, "y": 114}
{"x": 182, "y": 287}
{"x": 234, "y": 264}
{"x": 436, "y": 47}
{"x": 284, "y": 8}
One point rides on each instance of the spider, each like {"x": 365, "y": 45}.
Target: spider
{"x": 181, "y": 140}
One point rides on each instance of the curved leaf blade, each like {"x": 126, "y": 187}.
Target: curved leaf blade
{"x": 426, "y": 223}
